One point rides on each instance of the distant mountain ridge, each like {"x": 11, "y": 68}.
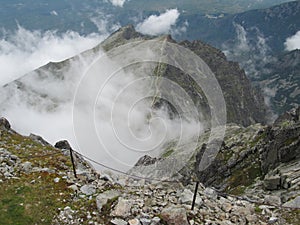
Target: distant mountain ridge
{"x": 274, "y": 24}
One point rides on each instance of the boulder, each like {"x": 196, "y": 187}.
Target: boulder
{"x": 123, "y": 208}
{"x": 4, "y": 124}
{"x": 26, "y": 167}
{"x": 295, "y": 203}
{"x": 64, "y": 144}
{"x": 272, "y": 182}
{"x": 174, "y": 215}
{"x": 186, "y": 197}
{"x": 103, "y": 198}
{"x": 88, "y": 189}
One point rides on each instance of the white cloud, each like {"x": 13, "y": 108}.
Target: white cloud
{"x": 156, "y": 25}
{"x": 54, "y": 13}
{"x": 293, "y": 42}
{"x": 53, "y": 119}
{"x": 119, "y": 3}
{"x": 24, "y": 50}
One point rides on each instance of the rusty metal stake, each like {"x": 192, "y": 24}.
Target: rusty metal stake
{"x": 72, "y": 159}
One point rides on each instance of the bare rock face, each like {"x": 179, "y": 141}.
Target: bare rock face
{"x": 282, "y": 142}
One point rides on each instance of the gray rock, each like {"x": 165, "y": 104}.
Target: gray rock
{"x": 14, "y": 157}
{"x": 26, "y": 167}
{"x": 272, "y": 200}
{"x": 118, "y": 222}
{"x": 134, "y": 222}
{"x": 272, "y": 182}
{"x": 273, "y": 220}
{"x": 64, "y": 144}
{"x": 106, "y": 177}
{"x": 123, "y": 208}
{"x": 88, "y": 189}
{"x": 38, "y": 139}
{"x": 4, "y": 123}
{"x": 7, "y": 174}
{"x": 145, "y": 221}
{"x": 174, "y": 215}
{"x": 186, "y": 197}
{"x": 155, "y": 221}
{"x": 295, "y": 203}
{"x": 102, "y": 198}
{"x": 211, "y": 193}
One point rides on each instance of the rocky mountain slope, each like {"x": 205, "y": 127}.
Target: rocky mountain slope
{"x": 261, "y": 162}
{"x": 34, "y": 175}
{"x": 254, "y": 179}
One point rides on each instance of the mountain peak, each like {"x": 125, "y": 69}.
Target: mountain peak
{"x": 122, "y": 36}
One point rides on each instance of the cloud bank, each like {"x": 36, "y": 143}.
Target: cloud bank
{"x": 23, "y": 51}
{"x": 162, "y": 24}
{"x": 293, "y": 42}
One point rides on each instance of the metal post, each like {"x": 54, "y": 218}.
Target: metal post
{"x": 195, "y": 195}
{"x": 73, "y": 164}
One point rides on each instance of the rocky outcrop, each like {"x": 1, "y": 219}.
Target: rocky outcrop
{"x": 39, "y": 139}
{"x": 282, "y": 145}
{"x": 64, "y": 144}
{"x": 255, "y": 161}
{"x": 4, "y": 123}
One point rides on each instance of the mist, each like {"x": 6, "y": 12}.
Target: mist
{"x": 41, "y": 102}
{"x": 22, "y": 51}
{"x": 252, "y": 52}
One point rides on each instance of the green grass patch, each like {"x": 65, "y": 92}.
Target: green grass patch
{"x": 26, "y": 202}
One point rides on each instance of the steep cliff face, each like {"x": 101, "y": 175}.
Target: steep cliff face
{"x": 244, "y": 103}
